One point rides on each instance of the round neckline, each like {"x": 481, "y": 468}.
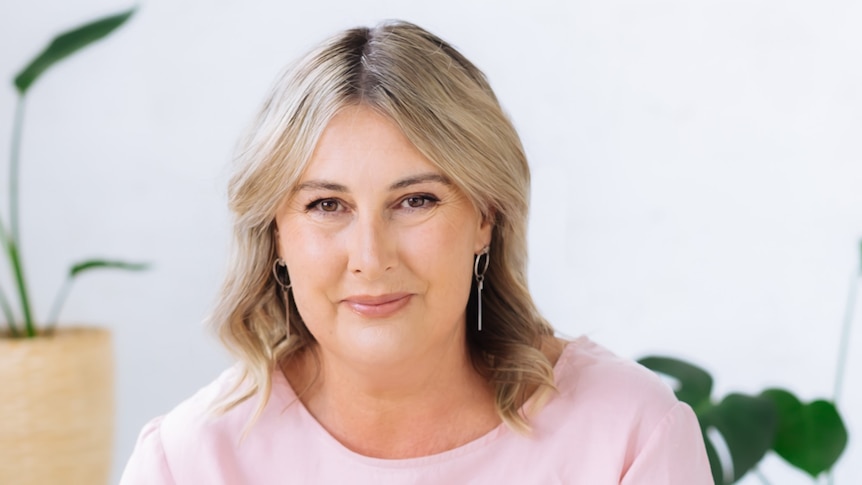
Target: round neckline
{"x": 282, "y": 391}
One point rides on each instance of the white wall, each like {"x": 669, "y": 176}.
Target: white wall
{"x": 697, "y": 169}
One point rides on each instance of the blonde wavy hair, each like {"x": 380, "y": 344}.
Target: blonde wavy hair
{"x": 446, "y": 108}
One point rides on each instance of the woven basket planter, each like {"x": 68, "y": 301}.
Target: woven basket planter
{"x": 57, "y": 408}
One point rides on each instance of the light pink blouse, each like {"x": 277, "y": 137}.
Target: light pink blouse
{"x": 612, "y": 422}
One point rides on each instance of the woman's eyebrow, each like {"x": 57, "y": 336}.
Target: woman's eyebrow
{"x": 419, "y": 179}
{"x": 405, "y": 182}
{"x": 320, "y": 185}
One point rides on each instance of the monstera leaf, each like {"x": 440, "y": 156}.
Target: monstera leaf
{"x": 810, "y": 437}
{"x": 746, "y": 424}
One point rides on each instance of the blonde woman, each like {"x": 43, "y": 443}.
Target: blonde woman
{"x": 378, "y": 308}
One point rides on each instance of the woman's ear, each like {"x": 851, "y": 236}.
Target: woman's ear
{"x": 275, "y": 240}
{"x": 485, "y": 230}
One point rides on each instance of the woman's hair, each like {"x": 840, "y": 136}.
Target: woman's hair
{"x": 446, "y": 108}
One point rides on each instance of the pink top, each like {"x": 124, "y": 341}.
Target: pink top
{"x": 612, "y": 422}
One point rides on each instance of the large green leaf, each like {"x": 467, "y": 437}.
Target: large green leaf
{"x": 695, "y": 384}
{"x": 67, "y": 44}
{"x": 811, "y": 436}
{"x": 83, "y": 266}
{"x": 714, "y": 461}
{"x": 747, "y": 424}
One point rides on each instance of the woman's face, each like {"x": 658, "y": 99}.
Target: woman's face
{"x": 379, "y": 245}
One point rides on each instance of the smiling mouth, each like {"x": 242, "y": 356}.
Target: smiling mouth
{"x": 377, "y": 306}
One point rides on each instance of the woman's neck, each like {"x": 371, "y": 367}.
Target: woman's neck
{"x": 431, "y": 404}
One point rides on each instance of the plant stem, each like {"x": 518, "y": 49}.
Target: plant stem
{"x": 7, "y": 312}
{"x": 845, "y": 334}
{"x": 14, "y": 166}
{"x": 4, "y": 302}
{"x": 29, "y": 328}
{"x": 13, "y": 238}
{"x": 51, "y": 322}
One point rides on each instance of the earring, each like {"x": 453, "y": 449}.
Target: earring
{"x": 480, "y": 277}
{"x": 279, "y": 271}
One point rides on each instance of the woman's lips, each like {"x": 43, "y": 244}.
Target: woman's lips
{"x": 377, "y": 306}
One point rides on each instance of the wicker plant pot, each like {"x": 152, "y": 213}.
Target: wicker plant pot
{"x": 57, "y": 408}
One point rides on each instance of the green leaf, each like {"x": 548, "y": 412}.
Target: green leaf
{"x": 811, "y": 436}
{"x": 78, "y": 268}
{"x": 67, "y": 44}
{"x": 714, "y": 462}
{"x": 747, "y": 424}
{"x": 695, "y": 383}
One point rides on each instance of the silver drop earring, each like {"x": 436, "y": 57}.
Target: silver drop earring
{"x": 480, "y": 278}
{"x": 279, "y": 272}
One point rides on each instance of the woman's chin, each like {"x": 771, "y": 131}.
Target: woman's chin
{"x": 382, "y": 344}
{"x": 393, "y": 344}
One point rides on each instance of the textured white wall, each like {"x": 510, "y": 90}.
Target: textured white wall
{"x": 697, "y": 169}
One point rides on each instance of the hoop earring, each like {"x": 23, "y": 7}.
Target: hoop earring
{"x": 279, "y": 272}
{"x": 480, "y": 277}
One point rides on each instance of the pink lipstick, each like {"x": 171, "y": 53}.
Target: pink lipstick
{"x": 380, "y": 306}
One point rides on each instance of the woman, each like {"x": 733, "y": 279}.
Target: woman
{"x": 378, "y": 307}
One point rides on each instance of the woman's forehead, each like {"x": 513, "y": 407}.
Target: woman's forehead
{"x": 359, "y": 143}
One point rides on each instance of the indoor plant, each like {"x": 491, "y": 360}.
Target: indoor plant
{"x": 57, "y": 405}
{"x": 810, "y": 437}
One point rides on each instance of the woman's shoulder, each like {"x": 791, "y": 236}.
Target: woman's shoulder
{"x": 589, "y": 376}
{"x": 196, "y": 431}
{"x": 613, "y": 418}
{"x": 198, "y": 414}
{"x": 607, "y": 408}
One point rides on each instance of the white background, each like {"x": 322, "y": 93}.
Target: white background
{"x": 697, "y": 172}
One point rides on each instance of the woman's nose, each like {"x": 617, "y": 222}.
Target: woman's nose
{"x": 371, "y": 248}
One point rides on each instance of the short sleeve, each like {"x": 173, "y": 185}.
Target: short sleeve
{"x": 674, "y": 454}
{"x": 148, "y": 464}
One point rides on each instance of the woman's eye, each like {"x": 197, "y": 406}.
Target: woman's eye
{"x": 418, "y": 201}
{"x": 325, "y": 205}
{"x": 328, "y": 205}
